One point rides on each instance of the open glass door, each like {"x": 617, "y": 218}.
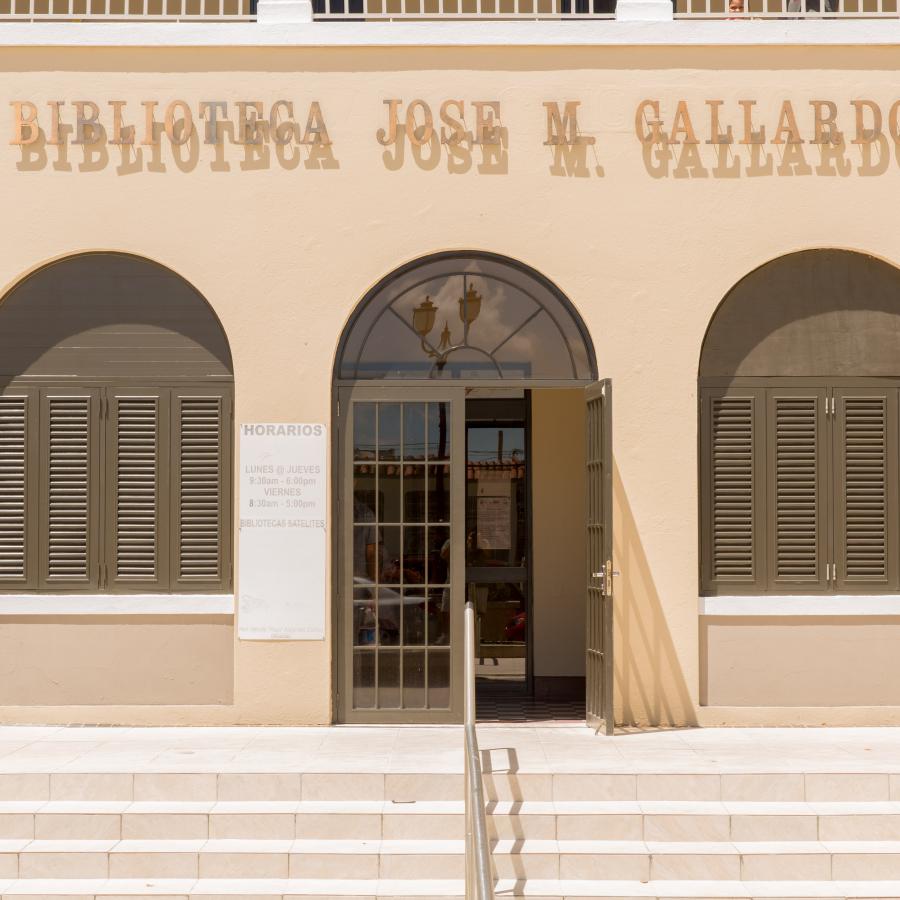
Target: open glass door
{"x": 598, "y": 456}
{"x": 402, "y": 554}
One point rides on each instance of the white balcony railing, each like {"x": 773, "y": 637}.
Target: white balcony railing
{"x": 785, "y": 9}
{"x": 463, "y": 9}
{"x": 127, "y": 10}
{"x": 438, "y": 10}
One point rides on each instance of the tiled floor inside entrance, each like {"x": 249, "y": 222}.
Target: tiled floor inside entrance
{"x": 510, "y": 704}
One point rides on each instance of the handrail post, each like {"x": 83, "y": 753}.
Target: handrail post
{"x": 469, "y": 719}
{"x": 479, "y": 876}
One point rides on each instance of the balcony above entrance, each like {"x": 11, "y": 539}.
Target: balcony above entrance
{"x": 487, "y": 13}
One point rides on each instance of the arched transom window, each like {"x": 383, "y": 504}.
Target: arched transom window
{"x": 470, "y": 317}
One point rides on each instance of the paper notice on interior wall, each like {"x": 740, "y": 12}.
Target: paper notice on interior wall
{"x": 493, "y": 523}
{"x": 281, "y": 543}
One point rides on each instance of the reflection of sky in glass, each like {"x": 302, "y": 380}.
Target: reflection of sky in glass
{"x": 520, "y": 332}
{"x": 483, "y": 443}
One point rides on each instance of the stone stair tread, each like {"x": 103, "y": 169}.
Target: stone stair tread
{"x": 449, "y": 888}
{"x": 447, "y": 807}
{"x": 69, "y": 846}
{"x": 81, "y": 807}
{"x": 13, "y": 845}
{"x": 441, "y": 846}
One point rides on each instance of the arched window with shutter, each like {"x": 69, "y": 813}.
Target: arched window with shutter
{"x": 799, "y": 409}
{"x": 116, "y": 393}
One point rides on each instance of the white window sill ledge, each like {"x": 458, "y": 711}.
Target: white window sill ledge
{"x": 798, "y": 605}
{"x": 116, "y": 604}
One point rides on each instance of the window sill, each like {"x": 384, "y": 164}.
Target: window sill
{"x": 116, "y": 604}
{"x": 802, "y": 605}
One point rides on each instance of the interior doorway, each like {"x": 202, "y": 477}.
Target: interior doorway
{"x": 499, "y": 544}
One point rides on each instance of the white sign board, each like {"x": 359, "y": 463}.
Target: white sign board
{"x": 282, "y": 532}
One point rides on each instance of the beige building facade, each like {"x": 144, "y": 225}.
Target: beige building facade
{"x": 635, "y": 174}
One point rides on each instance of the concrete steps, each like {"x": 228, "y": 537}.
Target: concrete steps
{"x": 278, "y": 889}
{"x": 651, "y": 821}
{"x": 665, "y": 835}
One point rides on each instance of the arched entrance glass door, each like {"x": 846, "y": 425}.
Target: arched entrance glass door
{"x": 430, "y": 500}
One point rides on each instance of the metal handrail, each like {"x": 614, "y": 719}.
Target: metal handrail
{"x": 479, "y": 876}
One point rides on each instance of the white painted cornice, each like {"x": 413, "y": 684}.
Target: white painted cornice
{"x": 581, "y": 33}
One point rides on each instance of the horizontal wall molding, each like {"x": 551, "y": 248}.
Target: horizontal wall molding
{"x": 802, "y": 605}
{"x": 585, "y": 33}
{"x": 116, "y": 604}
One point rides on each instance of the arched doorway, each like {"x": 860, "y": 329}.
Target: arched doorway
{"x": 799, "y": 391}
{"x": 433, "y": 378}
{"x": 115, "y": 432}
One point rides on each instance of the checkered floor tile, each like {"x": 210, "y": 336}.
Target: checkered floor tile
{"x": 499, "y": 703}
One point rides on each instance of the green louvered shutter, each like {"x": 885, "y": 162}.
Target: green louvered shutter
{"x": 18, "y": 483}
{"x": 201, "y": 474}
{"x": 69, "y": 514}
{"x": 797, "y": 489}
{"x": 865, "y": 489}
{"x": 733, "y": 468}
{"x": 137, "y": 489}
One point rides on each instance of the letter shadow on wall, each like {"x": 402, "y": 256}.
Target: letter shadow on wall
{"x": 225, "y": 155}
{"x": 578, "y": 160}
{"x": 719, "y": 160}
{"x": 460, "y": 156}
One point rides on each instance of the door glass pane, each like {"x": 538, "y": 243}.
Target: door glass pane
{"x": 365, "y": 617}
{"x": 438, "y": 554}
{"x": 391, "y": 557}
{"x": 414, "y": 493}
{"x": 439, "y": 493}
{"x": 414, "y": 679}
{"x": 439, "y": 431}
{"x": 414, "y": 611}
{"x": 388, "y": 679}
{"x": 401, "y": 556}
{"x": 389, "y": 480}
{"x": 501, "y": 609}
{"x": 389, "y": 606}
{"x": 438, "y": 679}
{"x": 414, "y": 419}
{"x": 389, "y": 441}
{"x": 365, "y": 549}
{"x": 364, "y": 431}
{"x": 414, "y": 554}
{"x": 364, "y": 679}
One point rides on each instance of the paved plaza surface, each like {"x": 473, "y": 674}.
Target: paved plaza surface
{"x": 546, "y": 748}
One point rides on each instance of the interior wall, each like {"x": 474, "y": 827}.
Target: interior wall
{"x": 558, "y": 497}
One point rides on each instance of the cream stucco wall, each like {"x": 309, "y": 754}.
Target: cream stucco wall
{"x": 284, "y": 248}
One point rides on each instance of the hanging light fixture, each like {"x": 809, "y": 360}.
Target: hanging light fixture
{"x": 425, "y": 314}
{"x": 469, "y": 306}
{"x": 423, "y": 317}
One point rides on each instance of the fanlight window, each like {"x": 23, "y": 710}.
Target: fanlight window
{"x": 472, "y": 317}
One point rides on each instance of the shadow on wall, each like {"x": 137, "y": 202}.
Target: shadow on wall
{"x": 106, "y": 314}
{"x": 650, "y": 688}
